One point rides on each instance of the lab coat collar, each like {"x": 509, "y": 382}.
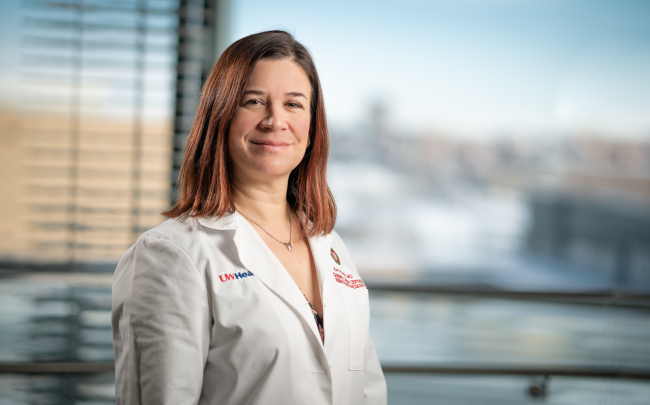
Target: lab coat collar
{"x": 320, "y": 250}
{"x": 225, "y": 222}
{"x": 256, "y": 257}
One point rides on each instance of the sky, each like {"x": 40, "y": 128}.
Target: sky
{"x": 468, "y": 68}
{"x": 475, "y": 67}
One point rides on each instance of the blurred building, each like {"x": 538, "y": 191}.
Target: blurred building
{"x": 90, "y": 153}
{"x": 81, "y": 191}
{"x": 583, "y": 199}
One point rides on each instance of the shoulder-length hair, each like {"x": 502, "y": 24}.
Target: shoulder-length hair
{"x": 205, "y": 179}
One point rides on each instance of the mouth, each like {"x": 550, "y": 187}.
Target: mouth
{"x": 270, "y": 145}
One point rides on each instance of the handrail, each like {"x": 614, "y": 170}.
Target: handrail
{"x": 103, "y": 367}
{"x": 487, "y": 292}
{"x": 57, "y": 367}
{"x": 520, "y": 371}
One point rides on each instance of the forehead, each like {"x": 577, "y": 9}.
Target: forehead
{"x": 283, "y": 75}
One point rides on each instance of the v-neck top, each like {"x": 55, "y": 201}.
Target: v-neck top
{"x": 318, "y": 318}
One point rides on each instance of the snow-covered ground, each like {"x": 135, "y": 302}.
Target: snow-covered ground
{"x": 396, "y": 226}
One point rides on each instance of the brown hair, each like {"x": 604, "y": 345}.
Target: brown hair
{"x": 205, "y": 175}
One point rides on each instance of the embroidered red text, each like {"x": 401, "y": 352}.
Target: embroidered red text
{"x": 347, "y": 279}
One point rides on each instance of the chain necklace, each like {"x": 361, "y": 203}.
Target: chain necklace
{"x": 288, "y": 244}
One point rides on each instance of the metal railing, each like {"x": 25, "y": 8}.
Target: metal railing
{"x": 606, "y": 297}
{"x": 104, "y": 367}
{"x": 540, "y": 375}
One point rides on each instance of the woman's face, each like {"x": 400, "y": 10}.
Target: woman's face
{"x": 270, "y": 130}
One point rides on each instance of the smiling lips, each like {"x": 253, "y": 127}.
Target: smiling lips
{"x": 270, "y": 146}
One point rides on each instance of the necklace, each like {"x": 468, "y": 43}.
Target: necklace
{"x": 288, "y": 244}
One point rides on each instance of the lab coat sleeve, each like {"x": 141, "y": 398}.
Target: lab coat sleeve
{"x": 161, "y": 325}
{"x": 374, "y": 386}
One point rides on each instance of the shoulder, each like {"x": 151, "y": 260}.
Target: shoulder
{"x": 177, "y": 247}
{"x": 179, "y": 232}
{"x": 188, "y": 237}
{"x": 172, "y": 237}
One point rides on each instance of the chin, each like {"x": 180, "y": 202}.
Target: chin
{"x": 274, "y": 169}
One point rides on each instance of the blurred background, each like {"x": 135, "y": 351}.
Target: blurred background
{"x": 490, "y": 160}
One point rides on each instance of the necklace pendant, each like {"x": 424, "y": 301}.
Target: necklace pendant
{"x": 288, "y": 245}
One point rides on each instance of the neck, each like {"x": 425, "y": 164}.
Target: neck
{"x": 264, "y": 202}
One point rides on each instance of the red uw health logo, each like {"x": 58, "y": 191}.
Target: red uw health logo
{"x": 234, "y": 276}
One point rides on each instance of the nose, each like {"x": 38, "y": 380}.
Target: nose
{"x": 274, "y": 120}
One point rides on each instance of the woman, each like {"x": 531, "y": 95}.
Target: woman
{"x": 246, "y": 295}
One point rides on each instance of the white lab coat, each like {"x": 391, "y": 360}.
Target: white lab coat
{"x": 204, "y": 313}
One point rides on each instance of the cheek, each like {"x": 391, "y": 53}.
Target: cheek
{"x": 237, "y": 131}
{"x": 303, "y": 128}
{"x": 234, "y": 141}
{"x": 231, "y": 140}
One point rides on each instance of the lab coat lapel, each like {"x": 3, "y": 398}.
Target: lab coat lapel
{"x": 320, "y": 250}
{"x": 260, "y": 260}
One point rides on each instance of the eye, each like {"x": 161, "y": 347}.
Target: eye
{"x": 253, "y": 101}
{"x": 294, "y": 104}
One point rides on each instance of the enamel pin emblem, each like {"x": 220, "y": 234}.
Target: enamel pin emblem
{"x": 335, "y": 257}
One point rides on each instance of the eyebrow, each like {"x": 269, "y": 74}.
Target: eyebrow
{"x": 261, "y": 93}
{"x": 255, "y": 92}
{"x": 296, "y": 94}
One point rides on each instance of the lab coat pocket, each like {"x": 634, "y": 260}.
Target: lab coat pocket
{"x": 357, "y": 308}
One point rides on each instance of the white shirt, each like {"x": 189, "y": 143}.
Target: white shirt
{"x": 204, "y": 313}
